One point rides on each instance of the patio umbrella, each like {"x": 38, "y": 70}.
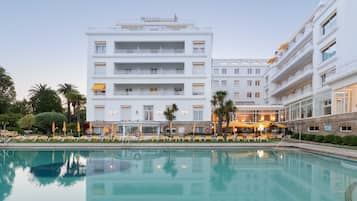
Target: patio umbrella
{"x": 140, "y": 128}
{"x": 53, "y": 127}
{"x": 90, "y": 127}
{"x": 214, "y": 127}
{"x": 78, "y": 128}
{"x": 170, "y": 126}
{"x": 193, "y": 128}
{"x": 113, "y": 130}
{"x": 237, "y": 124}
{"x": 64, "y": 128}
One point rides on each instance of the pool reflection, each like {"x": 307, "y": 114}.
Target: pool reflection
{"x": 184, "y": 175}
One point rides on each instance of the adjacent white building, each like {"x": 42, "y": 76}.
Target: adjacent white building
{"x": 136, "y": 69}
{"x": 243, "y": 79}
{"x": 314, "y": 74}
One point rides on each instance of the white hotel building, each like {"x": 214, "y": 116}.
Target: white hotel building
{"x": 314, "y": 74}
{"x": 136, "y": 69}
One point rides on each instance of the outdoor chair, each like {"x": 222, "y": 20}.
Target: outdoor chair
{"x": 250, "y": 138}
{"x": 263, "y": 138}
{"x": 229, "y": 138}
{"x": 240, "y": 138}
{"x": 187, "y": 138}
{"x": 219, "y": 138}
{"x": 197, "y": 138}
{"x": 208, "y": 138}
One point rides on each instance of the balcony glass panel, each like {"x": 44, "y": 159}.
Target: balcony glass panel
{"x": 148, "y": 89}
{"x": 149, "y": 68}
{"x": 149, "y": 47}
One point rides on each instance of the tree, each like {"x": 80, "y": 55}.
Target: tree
{"x": 27, "y": 121}
{"x": 222, "y": 109}
{"x": 22, "y": 107}
{"x": 44, "y": 120}
{"x": 229, "y": 108}
{"x": 67, "y": 90}
{"x": 7, "y": 91}
{"x": 77, "y": 100}
{"x": 44, "y": 99}
{"x": 10, "y": 119}
{"x": 170, "y": 114}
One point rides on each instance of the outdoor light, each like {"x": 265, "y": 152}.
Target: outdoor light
{"x": 158, "y": 166}
{"x": 183, "y": 166}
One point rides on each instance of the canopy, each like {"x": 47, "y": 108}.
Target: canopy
{"x": 279, "y": 125}
{"x": 265, "y": 124}
{"x": 98, "y": 87}
{"x": 237, "y": 124}
{"x": 284, "y": 46}
{"x": 272, "y": 60}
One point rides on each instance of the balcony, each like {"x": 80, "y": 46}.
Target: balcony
{"x": 303, "y": 35}
{"x": 149, "y": 69}
{"x": 301, "y": 57}
{"x": 299, "y": 94}
{"x": 148, "y": 90}
{"x": 149, "y": 47}
{"x": 301, "y": 76}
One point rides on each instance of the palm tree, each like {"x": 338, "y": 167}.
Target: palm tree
{"x": 170, "y": 114}
{"x": 218, "y": 108}
{"x": 222, "y": 109}
{"x": 44, "y": 99}
{"x": 229, "y": 108}
{"x": 67, "y": 89}
{"x": 76, "y": 100}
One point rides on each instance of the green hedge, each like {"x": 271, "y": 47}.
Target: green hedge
{"x": 350, "y": 140}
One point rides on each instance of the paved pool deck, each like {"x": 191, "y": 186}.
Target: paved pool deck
{"x": 323, "y": 149}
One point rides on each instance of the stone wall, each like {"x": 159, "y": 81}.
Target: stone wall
{"x": 327, "y": 125}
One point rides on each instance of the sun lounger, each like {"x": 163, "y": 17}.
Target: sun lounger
{"x": 197, "y": 138}
{"x": 187, "y": 138}
{"x": 219, "y": 138}
{"x": 208, "y": 138}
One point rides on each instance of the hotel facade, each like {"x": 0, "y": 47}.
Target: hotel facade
{"x": 136, "y": 69}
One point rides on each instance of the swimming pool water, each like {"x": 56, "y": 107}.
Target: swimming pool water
{"x": 182, "y": 175}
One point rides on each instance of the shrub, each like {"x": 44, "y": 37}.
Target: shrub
{"x": 329, "y": 139}
{"x": 26, "y": 122}
{"x": 318, "y": 138}
{"x": 10, "y": 118}
{"x": 350, "y": 140}
{"x": 295, "y": 136}
{"x": 44, "y": 120}
{"x": 337, "y": 140}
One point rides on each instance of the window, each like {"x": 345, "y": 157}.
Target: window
{"x": 198, "y": 68}
{"x": 198, "y": 89}
{"x": 346, "y": 128}
{"x": 323, "y": 79}
{"x": 153, "y": 70}
{"x": 250, "y": 71}
{"x": 236, "y": 95}
{"x": 199, "y": 130}
{"x": 257, "y": 94}
{"x": 249, "y": 94}
{"x": 236, "y": 71}
{"x": 257, "y": 83}
{"x": 153, "y": 90}
{"x": 236, "y": 83}
{"x": 257, "y": 71}
{"x": 327, "y": 107}
{"x": 178, "y": 91}
{"x": 329, "y": 51}
{"x": 249, "y": 82}
{"x": 99, "y": 113}
{"x": 223, "y": 83}
{"x": 125, "y": 113}
{"x": 313, "y": 129}
{"x": 198, "y": 46}
{"x": 148, "y": 112}
{"x": 329, "y": 24}
{"x": 224, "y": 71}
{"x": 99, "y": 68}
{"x": 216, "y": 71}
{"x": 179, "y": 70}
{"x": 100, "y": 47}
{"x": 128, "y": 91}
{"x": 197, "y": 112}
{"x": 127, "y": 71}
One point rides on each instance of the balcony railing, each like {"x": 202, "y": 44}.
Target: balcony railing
{"x": 149, "y": 51}
{"x": 293, "y": 78}
{"x": 149, "y": 93}
{"x": 293, "y": 59}
{"x": 148, "y": 72}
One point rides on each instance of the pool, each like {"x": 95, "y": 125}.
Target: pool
{"x": 182, "y": 175}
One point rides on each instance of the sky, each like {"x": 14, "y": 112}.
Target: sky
{"x": 44, "y": 41}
